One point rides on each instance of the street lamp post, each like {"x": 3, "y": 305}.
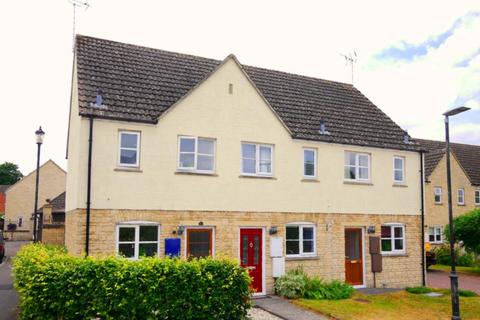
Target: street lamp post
{"x": 453, "y": 271}
{"x": 39, "y": 137}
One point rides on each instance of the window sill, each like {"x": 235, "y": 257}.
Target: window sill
{"x": 365, "y": 183}
{"x": 310, "y": 180}
{"x": 295, "y": 258}
{"x": 256, "y": 177}
{"x": 195, "y": 173}
{"x": 461, "y": 204}
{"x": 438, "y": 203}
{"x": 399, "y": 185}
{"x": 128, "y": 169}
{"x": 400, "y": 254}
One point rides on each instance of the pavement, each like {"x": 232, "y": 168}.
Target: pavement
{"x": 8, "y": 295}
{"x": 440, "y": 279}
{"x": 284, "y": 309}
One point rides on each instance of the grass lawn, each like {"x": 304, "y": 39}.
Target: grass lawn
{"x": 474, "y": 271}
{"x": 392, "y": 306}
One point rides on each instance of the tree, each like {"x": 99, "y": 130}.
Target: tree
{"x": 9, "y": 173}
{"x": 467, "y": 230}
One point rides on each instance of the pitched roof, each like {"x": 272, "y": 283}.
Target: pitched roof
{"x": 467, "y": 155}
{"x": 58, "y": 203}
{"x": 139, "y": 84}
{"x": 4, "y": 187}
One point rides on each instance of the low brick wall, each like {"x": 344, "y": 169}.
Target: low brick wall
{"x": 398, "y": 271}
{"x": 53, "y": 234}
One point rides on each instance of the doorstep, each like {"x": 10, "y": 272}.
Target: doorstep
{"x": 284, "y": 309}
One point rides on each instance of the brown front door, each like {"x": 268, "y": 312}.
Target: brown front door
{"x": 251, "y": 255}
{"x": 353, "y": 256}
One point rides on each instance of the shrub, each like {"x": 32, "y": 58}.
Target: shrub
{"x": 297, "y": 284}
{"x": 462, "y": 258}
{"x": 466, "y": 293}
{"x": 55, "y": 285}
{"x": 418, "y": 290}
{"x": 467, "y": 230}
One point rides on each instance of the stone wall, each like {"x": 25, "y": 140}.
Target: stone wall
{"x": 398, "y": 271}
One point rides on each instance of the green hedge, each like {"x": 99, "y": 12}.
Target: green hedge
{"x": 55, "y": 285}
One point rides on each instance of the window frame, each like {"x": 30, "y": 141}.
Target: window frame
{"x": 357, "y": 166}
{"x": 402, "y": 170}
{"x": 137, "y": 150}
{"x": 476, "y": 196}
{"x": 136, "y": 241}
{"x": 257, "y": 159}
{"x": 435, "y": 233}
{"x": 196, "y": 154}
{"x": 302, "y": 225}
{"x": 392, "y": 239}
{"x": 314, "y": 176}
{"x": 212, "y": 239}
{"x": 461, "y": 203}
{"x": 439, "y": 194}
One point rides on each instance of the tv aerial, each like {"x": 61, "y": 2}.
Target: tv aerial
{"x": 350, "y": 59}
{"x": 80, "y": 4}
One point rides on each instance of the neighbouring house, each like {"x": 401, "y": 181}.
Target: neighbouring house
{"x": 199, "y": 157}
{"x": 21, "y": 198}
{"x": 53, "y": 226}
{"x": 3, "y": 188}
{"x": 465, "y": 171}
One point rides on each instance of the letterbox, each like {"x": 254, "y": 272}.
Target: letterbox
{"x": 172, "y": 247}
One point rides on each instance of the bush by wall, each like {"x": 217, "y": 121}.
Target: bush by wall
{"x": 297, "y": 284}
{"x": 55, "y": 285}
{"x": 462, "y": 258}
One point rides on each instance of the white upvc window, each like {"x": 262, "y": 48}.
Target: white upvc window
{"x": 435, "y": 235}
{"x": 399, "y": 169}
{"x": 196, "y": 154}
{"x": 300, "y": 239}
{"x": 477, "y": 197}
{"x": 257, "y": 159}
{"x": 437, "y": 193}
{"x": 393, "y": 238}
{"x": 309, "y": 163}
{"x": 129, "y": 149}
{"x": 357, "y": 166}
{"x": 135, "y": 240}
{"x": 461, "y": 196}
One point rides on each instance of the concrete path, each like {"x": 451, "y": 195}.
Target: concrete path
{"x": 284, "y": 309}
{"x": 440, "y": 279}
{"x": 8, "y": 295}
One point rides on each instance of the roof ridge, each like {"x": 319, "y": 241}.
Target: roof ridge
{"x": 454, "y": 143}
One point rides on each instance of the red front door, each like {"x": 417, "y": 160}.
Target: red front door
{"x": 251, "y": 255}
{"x": 353, "y": 256}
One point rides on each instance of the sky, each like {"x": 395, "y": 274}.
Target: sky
{"x": 415, "y": 59}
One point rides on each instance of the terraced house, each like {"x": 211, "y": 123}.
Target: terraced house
{"x": 465, "y": 166}
{"x": 199, "y": 157}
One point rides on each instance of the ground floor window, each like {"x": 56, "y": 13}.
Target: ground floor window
{"x": 435, "y": 235}
{"x": 393, "y": 238}
{"x": 199, "y": 242}
{"x": 300, "y": 239}
{"x": 138, "y": 240}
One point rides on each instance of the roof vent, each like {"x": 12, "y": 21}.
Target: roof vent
{"x": 323, "y": 129}
{"x": 406, "y": 137}
{"x": 98, "y": 100}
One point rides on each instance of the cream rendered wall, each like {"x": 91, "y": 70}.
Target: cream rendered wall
{"x": 20, "y": 197}
{"x": 210, "y": 111}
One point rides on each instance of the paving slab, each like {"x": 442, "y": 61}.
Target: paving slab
{"x": 286, "y": 310}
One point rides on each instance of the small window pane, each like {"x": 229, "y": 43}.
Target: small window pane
{"x": 398, "y": 232}
{"x": 307, "y": 246}
{"x": 363, "y": 173}
{"x": 187, "y": 160}
{"x": 245, "y": 249}
{"x": 350, "y": 159}
{"x": 128, "y": 140}
{"x": 205, "y": 163}
{"x": 187, "y": 145}
{"x": 148, "y": 250}
{"x": 309, "y": 163}
{"x": 148, "y": 233}
{"x": 386, "y": 232}
{"x": 363, "y": 160}
{"x": 399, "y": 244}
{"x": 309, "y": 156}
{"x": 386, "y": 245}
{"x": 126, "y": 234}
{"x": 265, "y": 167}
{"x": 293, "y": 233}
{"x": 205, "y": 146}
{"x": 126, "y": 249}
{"x": 293, "y": 247}
{"x": 431, "y": 238}
{"x": 398, "y": 175}
{"x": 399, "y": 163}
{"x": 248, "y": 151}
{"x": 249, "y": 166}
{"x": 350, "y": 173}
{"x": 199, "y": 243}
{"x": 256, "y": 249}
{"x": 128, "y": 156}
{"x": 307, "y": 233}
{"x": 439, "y": 237}
{"x": 309, "y": 169}
{"x": 265, "y": 153}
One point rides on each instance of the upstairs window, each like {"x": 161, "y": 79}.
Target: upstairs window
{"x": 128, "y": 155}
{"x": 393, "y": 239}
{"x": 435, "y": 235}
{"x": 138, "y": 240}
{"x": 399, "y": 169}
{"x": 309, "y": 163}
{"x": 437, "y": 193}
{"x": 300, "y": 239}
{"x": 257, "y": 159}
{"x": 196, "y": 154}
{"x": 461, "y": 196}
{"x": 357, "y": 166}
{"x": 477, "y": 197}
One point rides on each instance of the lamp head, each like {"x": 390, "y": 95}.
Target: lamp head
{"x": 39, "y": 135}
{"x": 455, "y": 111}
